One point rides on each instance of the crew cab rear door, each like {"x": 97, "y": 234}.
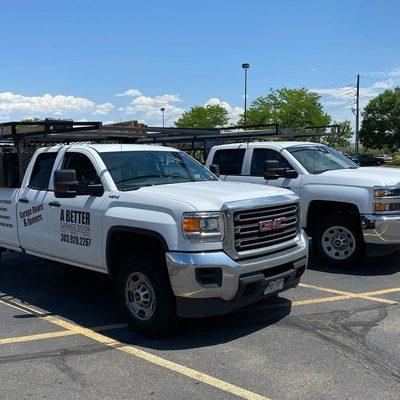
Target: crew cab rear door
{"x": 75, "y": 224}
{"x": 32, "y": 205}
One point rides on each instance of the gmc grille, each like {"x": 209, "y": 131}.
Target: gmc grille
{"x": 247, "y": 232}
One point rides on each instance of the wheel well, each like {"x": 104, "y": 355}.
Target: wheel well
{"x": 124, "y": 242}
{"x": 319, "y": 208}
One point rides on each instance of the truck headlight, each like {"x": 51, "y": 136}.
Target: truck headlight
{"x": 203, "y": 226}
{"x": 387, "y": 200}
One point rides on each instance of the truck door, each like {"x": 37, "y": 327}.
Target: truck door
{"x": 32, "y": 206}
{"x": 256, "y": 172}
{"x": 75, "y": 226}
{"x": 8, "y": 217}
{"x": 230, "y": 162}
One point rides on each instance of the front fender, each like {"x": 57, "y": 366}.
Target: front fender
{"x": 358, "y": 196}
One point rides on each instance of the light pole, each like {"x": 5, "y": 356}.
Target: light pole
{"x": 163, "y": 113}
{"x": 245, "y": 66}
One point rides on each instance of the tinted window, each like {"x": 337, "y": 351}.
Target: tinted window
{"x": 85, "y": 171}
{"x": 262, "y": 155}
{"x": 230, "y": 161}
{"x": 41, "y": 172}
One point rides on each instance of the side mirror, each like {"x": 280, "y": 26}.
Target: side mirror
{"x": 96, "y": 189}
{"x": 272, "y": 170}
{"x": 214, "y": 168}
{"x": 65, "y": 183}
{"x": 291, "y": 174}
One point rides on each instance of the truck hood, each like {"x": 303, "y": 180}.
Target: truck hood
{"x": 211, "y": 195}
{"x": 365, "y": 177}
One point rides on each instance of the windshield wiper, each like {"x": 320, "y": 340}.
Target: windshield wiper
{"x": 136, "y": 187}
{"x": 134, "y": 178}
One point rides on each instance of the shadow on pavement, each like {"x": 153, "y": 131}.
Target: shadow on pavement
{"x": 87, "y": 298}
{"x": 374, "y": 266}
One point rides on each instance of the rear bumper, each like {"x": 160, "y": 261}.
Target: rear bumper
{"x": 213, "y": 283}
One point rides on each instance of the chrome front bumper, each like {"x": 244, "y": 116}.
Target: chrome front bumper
{"x": 185, "y": 283}
{"x": 381, "y": 229}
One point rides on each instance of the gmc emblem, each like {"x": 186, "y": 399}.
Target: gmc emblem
{"x": 271, "y": 224}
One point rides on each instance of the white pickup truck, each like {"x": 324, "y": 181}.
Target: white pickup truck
{"x": 175, "y": 239}
{"x": 347, "y": 210}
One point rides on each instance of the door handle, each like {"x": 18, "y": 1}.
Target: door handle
{"x": 54, "y": 204}
{"x": 23, "y": 200}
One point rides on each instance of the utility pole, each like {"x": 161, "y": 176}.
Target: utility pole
{"x": 245, "y": 66}
{"x": 357, "y": 112}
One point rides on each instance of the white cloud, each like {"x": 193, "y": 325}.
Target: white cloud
{"x": 130, "y": 92}
{"x": 168, "y": 98}
{"x": 103, "y": 109}
{"x": 233, "y": 112}
{"x": 11, "y": 103}
{"x": 313, "y": 69}
{"x": 142, "y": 100}
{"x": 146, "y": 108}
{"x": 387, "y": 84}
{"x": 155, "y": 101}
{"x": 395, "y": 73}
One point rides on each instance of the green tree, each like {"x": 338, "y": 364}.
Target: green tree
{"x": 210, "y": 116}
{"x": 290, "y": 108}
{"x": 381, "y": 121}
{"x": 33, "y": 119}
{"x": 341, "y": 141}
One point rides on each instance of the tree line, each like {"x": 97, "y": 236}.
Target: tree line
{"x": 296, "y": 108}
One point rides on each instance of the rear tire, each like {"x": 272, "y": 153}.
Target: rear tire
{"x": 337, "y": 240}
{"x": 145, "y": 296}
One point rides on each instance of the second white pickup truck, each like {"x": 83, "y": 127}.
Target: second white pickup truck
{"x": 347, "y": 210}
{"x": 175, "y": 240}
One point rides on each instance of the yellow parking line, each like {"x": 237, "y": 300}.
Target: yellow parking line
{"x": 51, "y": 335}
{"x": 144, "y": 355}
{"x": 384, "y": 291}
{"x": 319, "y": 300}
{"x": 40, "y": 336}
{"x": 367, "y": 295}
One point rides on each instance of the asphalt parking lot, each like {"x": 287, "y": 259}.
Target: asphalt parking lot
{"x": 334, "y": 337}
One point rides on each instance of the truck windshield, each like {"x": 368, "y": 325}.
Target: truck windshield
{"x": 132, "y": 170}
{"x": 319, "y": 159}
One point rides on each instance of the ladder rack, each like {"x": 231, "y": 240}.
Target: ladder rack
{"x": 24, "y": 138}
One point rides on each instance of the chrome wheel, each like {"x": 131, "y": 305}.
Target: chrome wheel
{"x": 139, "y": 296}
{"x": 338, "y": 242}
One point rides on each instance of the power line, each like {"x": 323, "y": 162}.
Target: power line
{"x": 336, "y": 83}
{"x": 340, "y": 96}
{"x": 339, "y": 106}
{"x": 338, "y": 92}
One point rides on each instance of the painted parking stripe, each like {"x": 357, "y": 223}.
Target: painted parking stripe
{"x": 39, "y": 336}
{"x": 367, "y": 295}
{"x": 53, "y": 335}
{"x": 144, "y": 355}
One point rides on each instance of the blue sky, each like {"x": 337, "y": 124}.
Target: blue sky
{"x": 69, "y": 59}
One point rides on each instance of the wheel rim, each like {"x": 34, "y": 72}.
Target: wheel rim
{"x": 139, "y": 296}
{"x": 338, "y": 242}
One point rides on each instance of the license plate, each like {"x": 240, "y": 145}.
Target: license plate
{"x": 274, "y": 286}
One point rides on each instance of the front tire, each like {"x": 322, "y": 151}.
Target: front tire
{"x": 145, "y": 296}
{"x": 337, "y": 240}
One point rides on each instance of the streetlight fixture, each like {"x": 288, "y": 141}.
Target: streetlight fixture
{"x": 245, "y": 66}
{"x": 163, "y": 113}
